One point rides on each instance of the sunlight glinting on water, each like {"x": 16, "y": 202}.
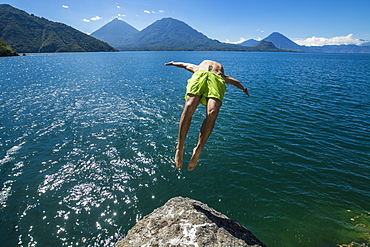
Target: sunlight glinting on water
{"x": 87, "y": 151}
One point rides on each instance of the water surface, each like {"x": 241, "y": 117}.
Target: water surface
{"x": 87, "y": 143}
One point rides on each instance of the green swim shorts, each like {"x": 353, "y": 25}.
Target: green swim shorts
{"x": 207, "y": 84}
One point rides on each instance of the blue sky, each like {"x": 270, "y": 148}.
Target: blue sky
{"x": 307, "y": 22}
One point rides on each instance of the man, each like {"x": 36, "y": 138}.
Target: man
{"x": 207, "y": 87}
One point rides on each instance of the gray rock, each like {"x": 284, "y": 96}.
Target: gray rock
{"x": 187, "y": 222}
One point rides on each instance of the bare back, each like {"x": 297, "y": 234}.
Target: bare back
{"x": 209, "y": 65}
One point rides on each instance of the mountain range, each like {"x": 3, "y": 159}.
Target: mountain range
{"x": 282, "y": 42}
{"x": 27, "y": 33}
{"x": 172, "y": 34}
{"x": 166, "y": 34}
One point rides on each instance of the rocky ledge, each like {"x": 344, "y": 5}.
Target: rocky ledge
{"x": 187, "y": 222}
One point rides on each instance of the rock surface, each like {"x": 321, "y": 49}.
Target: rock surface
{"x": 187, "y": 222}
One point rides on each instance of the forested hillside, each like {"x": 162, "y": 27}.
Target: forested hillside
{"x": 28, "y": 33}
{"x": 5, "y": 50}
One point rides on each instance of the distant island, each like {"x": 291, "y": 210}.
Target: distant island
{"x": 27, "y": 33}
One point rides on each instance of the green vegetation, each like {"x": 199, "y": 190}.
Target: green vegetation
{"x": 31, "y": 34}
{"x": 358, "y": 229}
{"x": 6, "y": 51}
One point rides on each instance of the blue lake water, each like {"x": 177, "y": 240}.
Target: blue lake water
{"x": 87, "y": 143}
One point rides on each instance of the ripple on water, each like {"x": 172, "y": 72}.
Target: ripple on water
{"x": 87, "y": 143}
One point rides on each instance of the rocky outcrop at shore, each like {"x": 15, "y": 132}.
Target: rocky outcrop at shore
{"x": 187, "y": 222}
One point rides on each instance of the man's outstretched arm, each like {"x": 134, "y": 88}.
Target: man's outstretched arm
{"x": 236, "y": 83}
{"x": 188, "y": 66}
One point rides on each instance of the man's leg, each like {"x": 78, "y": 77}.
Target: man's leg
{"x": 213, "y": 107}
{"x": 191, "y": 104}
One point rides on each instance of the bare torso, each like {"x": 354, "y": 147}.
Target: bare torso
{"x": 209, "y": 65}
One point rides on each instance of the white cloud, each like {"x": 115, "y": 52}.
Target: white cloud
{"x": 65, "y": 6}
{"x": 96, "y": 18}
{"x": 241, "y": 40}
{"x": 154, "y": 12}
{"x": 118, "y": 7}
{"x": 320, "y": 41}
{"x": 119, "y": 17}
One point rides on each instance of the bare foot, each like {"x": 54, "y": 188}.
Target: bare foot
{"x": 194, "y": 159}
{"x": 178, "y": 158}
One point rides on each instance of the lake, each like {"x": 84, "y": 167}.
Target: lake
{"x": 87, "y": 142}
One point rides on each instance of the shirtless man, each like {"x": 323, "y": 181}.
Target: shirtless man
{"x": 207, "y": 87}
